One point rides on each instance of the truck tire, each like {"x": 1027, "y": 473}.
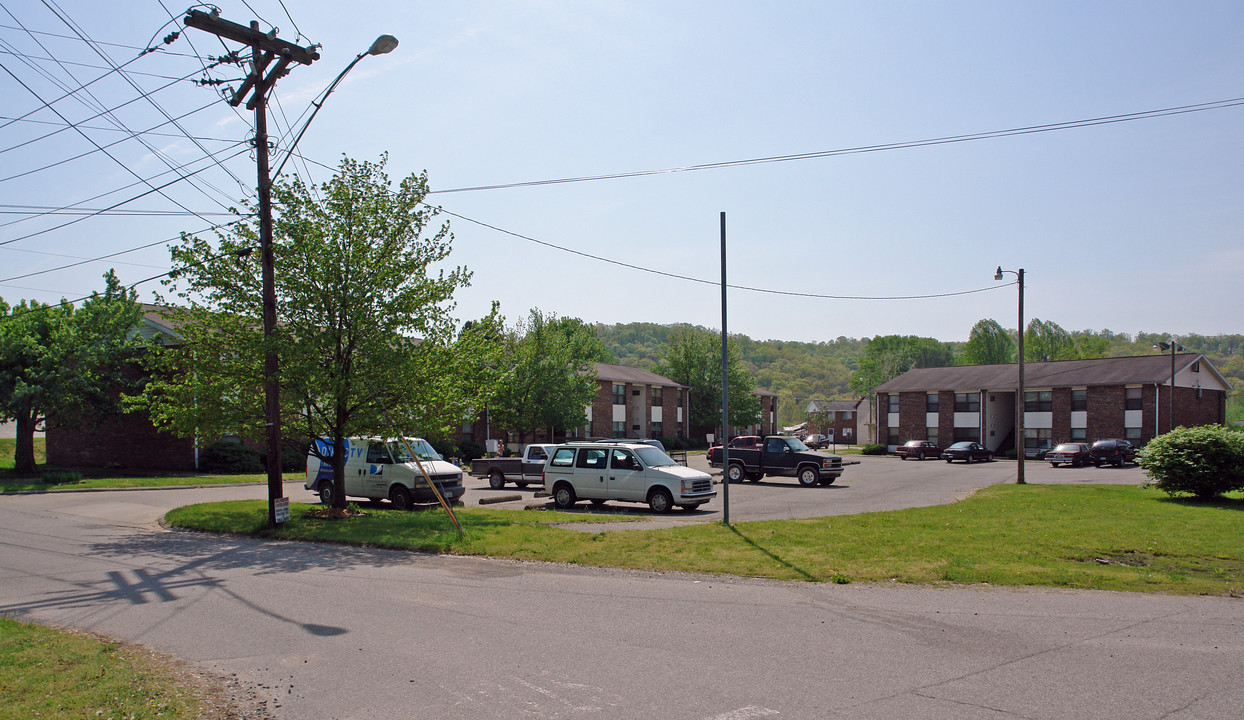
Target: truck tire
{"x": 755, "y": 476}
{"x": 809, "y": 476}
{"x": 326, "y": 493}
{"x": 736, "y": 472}
{"x": 496, "y": 480}
{"x": 563, "y": 496}
{"x": 828, "y": 481}
{"x": 401, "y": 498}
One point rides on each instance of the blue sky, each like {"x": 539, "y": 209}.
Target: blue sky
{"x": 1132, "y": 226}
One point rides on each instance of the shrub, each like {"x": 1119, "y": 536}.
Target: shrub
{"x": 230, "y": 458}
{"x": 60, "y": 478}
{"x": 1204, "y": 461}
{"x": 873, "y": 449}
{"x": 471, "y": 451}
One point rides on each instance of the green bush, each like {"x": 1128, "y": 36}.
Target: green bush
{"x": 471, "y": 451}
{"x": 60, "y": 478}
{"x": 1204, "y": 461}
{"x": 230, "y": 458}
{"x": 873, "y": 449}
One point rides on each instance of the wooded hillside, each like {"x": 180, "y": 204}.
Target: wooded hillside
{"x": 800, "y": 371}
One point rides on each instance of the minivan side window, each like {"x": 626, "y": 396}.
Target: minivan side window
{"x": 623, "y": 460}
{"x": 591, "y": 458}
{"x": 564, "y": 457}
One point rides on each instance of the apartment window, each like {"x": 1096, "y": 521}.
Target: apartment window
{"x": 967, "y": 402}
{"x": 1039, "y": 401}
{"x": 1079, "y": 400}
{"x": 654, "y": 429}
{"x": 931, "y": 435}
{"x": 967, "y": 434}
{"x": 930, "y": 403}
{"x": 892, "y": 436}
{"x": 1132, "y": 399}
{"x": 656, "y": 397}
{"x": 846, "y": 414}
{"x": 1078, "y": 434}
{"x": 468, "y": 431}
{"x": 619, "y": 428}
{"x": 893, "y": 402}
{"x": 1131, "y": 433}
{"x": 619, "y": 394}
{"x": 1037, "y": 439}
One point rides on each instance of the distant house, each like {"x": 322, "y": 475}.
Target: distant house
{"x": 846, "y": 421}
{"x": 1068, "y": 400}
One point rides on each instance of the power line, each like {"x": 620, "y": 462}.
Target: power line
{"x": 947, "y": 140}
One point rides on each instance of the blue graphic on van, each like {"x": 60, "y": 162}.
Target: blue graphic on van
{"x": 375, "y": 469}
{"x": 325, "y": 447}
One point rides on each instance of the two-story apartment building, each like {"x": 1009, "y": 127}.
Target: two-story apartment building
{"x": 1068, "y": 400}
{"x": 844, "y": 420}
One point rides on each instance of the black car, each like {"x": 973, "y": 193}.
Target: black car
{"x": 816, "y": 442}
{"x": 967, "y": 451}
{"x": 919, "y": 449}
{"x": 1112, "y": 452}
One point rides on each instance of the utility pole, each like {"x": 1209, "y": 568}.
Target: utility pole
{"x": 264, "y": 49}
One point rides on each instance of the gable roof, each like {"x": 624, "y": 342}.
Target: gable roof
{"x": 820, "y": 406}
{"x": 625, "y": 374}
{"x": 1140, "y": 369}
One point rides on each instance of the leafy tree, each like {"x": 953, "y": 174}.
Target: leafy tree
{"x": 59, "y": 362}
{"x": 888, "y": 356}
{"x": 549, "y": 375}
{"x": 365, "y": 340}
{"x": 989, "y": 344}
{"x": 692, "y": 356}
{"x": 1046, "y": 340}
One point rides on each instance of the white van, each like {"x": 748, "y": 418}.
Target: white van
{"x": 377, "y": 469}
{"x": 630, "y": 471}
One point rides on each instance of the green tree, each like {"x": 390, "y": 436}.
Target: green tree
{"x": 65, "y": 363}
{"x": 692, "y": 356}
{"x": 550, "y": 379}
{"x": 1047, "y": 340}
{"x": 888, "y": 356}
{"x": 365, "y": 339}
{"x": 989, "y": 344}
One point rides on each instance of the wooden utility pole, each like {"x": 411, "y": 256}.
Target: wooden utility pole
{"x": 264, "y": 49}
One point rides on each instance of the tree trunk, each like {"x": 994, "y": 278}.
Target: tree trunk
{"x": 24, "y": 456}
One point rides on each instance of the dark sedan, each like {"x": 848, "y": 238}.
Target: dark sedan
{"x": 816, "y": 442}
{"x": 1112, "y": 452}
{"x": 919, "y": 449}
{"x": 969, "y": 452}
{"x": 1073, "y": 454}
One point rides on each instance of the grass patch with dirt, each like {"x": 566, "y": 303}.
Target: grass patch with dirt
{"x": 1107, "y": 537}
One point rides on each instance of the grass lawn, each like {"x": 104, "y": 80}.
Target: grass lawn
{"x": 8, "y": 449}
{"x": 1108, "y": 537}
{"x": 53, "y": 674}
{"x": 124, "y": 482}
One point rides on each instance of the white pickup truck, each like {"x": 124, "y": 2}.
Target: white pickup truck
{"x": 522, "y": 471}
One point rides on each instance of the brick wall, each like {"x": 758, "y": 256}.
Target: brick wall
{"x": 129, "y": 442}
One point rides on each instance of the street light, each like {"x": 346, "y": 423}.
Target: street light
{"x": 1019, "y": 398}
{"x": 381, "y": 46}
{"x": 1172, "y": 346}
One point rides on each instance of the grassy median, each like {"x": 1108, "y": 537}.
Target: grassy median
{"x": 1107, "y": 537}
{"x": 53, "y": 674}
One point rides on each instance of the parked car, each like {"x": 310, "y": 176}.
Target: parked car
{"x": 1113, "y": 451}
{"x": 816, "y": 441}
{"x": 633, "y": 472}
{"x": 918, "y": 449}
{"x": 784, "y": 456}
{"x": 1073, "y": 454}
{"x": 379, "y": 468}
{"x": 968, "y": 452}
{"x": 520, "y": 470}
{"x": 746, "y": 442}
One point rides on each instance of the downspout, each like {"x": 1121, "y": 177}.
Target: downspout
{"x": 1157, "y": 409}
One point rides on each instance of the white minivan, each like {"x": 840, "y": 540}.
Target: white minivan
{"x": 377, "y": 469}
{"x": 634, "y": 472}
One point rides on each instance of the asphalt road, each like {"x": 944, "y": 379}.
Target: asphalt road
{"x": 319, "y": 632}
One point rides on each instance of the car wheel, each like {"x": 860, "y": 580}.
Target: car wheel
{"x": 809, "y": 476}
{"x": 948, "y": 460}
{"x": 1118, "y": 463}
{"x": 736, "y": 473}
{"x": 1097, "y": 463}
{"x": 326, "y": 493}
{"x": 902, "y": 457}
{"x": 400, "y": 497}
{"x": 968, "y": 459}
{"x": 521, "y": 484}
{"x": 496, "y": 480}
{"x": 660, "y": 500}
{"x": 755, "y": 476}
{"x": 1053, "y": 464}
{"x": 920, "y": 457}
{"x": 563, "y": 496}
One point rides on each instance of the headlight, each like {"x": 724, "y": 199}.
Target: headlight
{"x": 688, "y": 485}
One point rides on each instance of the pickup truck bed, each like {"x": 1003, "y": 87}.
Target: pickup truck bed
{"x": 522, "y": 471}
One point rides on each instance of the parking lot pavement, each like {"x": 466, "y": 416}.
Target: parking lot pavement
{"x": 876, "y": 483}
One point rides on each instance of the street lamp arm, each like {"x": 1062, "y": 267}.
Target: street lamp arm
{"x": 383, "y": 44}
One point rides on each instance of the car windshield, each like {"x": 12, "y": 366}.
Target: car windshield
{"x": 654, "y": 458}
{"x": 421, "y": 447}
{"x": 796, "y": 444}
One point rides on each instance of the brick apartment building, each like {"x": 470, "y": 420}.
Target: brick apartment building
{"x": 1064, "y": 401}
{"x": 844, "y": 420}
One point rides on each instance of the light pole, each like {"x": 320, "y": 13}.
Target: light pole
{"x": 1172, "y": 346}
{"x": 1019, "y": 398}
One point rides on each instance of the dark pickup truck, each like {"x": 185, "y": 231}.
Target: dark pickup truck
{"x": 519, "y": 470}
{"x": 784, "y": 456}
